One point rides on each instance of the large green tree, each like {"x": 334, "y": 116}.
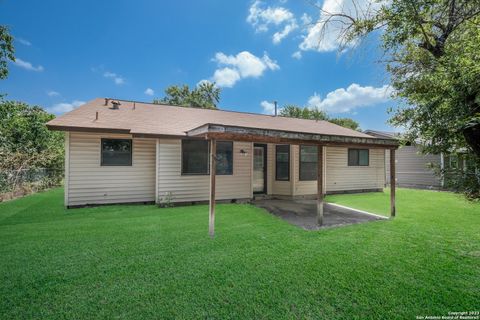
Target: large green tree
{"x": 6, "y": 51}
{"x": 294, "y": 111}
{"x": 25, "y": 141}
{"x": 206, "y": 95}
{"x": 432, "y": 52}
{"x": 346, "y": 122}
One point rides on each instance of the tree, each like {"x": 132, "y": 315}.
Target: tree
{"x": 294, "y": 111}
{"x": 432, "y": 50}
{"x": 25, "y": 141}
{"x": 206, "y": 95}
{"x": 6, "y": 51}
{"x": 27, "y": 145}
{"x": 346, "y": 122}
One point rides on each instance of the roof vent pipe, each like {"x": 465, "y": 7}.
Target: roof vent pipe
{"x": 275, "y": 103}
{"x": 115, "y": 105}
{"x": 106, "y": 101}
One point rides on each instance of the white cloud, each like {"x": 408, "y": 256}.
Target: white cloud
{"x": 324, "y": 37}
{"x": 247, "y": 64}
{"x": 306, "y": 19}
{"x": 63, "y": 107}
{"x": 297, "y": 55}
{"x": 115, "y": 77}
{"x": 279, "y": 35}
{"x": 27, "y": 65}
{"x": 268, "y": 107}
{"x": 243, "y": 65}
{"x": 226, "y": 77}
{"x": 25, "y": 42}
{"x": 355, "y": 96}
{"x": 53, "y": 93}
{"x": 262, "y": 18}
{"x": 149, "y": 92}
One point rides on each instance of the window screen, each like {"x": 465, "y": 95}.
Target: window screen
{"x": 224, "y": 158}
{"x": 282, "y": 163}
{"x": 116, "y": 152}
{"x": 308, "y": 163}
{"x": 358, "y": 157}
{"x": 195, "y": 157}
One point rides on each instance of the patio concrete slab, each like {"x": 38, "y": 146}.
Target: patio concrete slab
{"x": 303, "y": 213}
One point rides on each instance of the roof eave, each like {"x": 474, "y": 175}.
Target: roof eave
{"x": 219, "y": 131}
{"x": 55, "y": 127}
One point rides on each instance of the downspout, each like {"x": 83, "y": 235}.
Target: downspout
{"x": 66, "y": 180}
{"x": 157, "y": 155}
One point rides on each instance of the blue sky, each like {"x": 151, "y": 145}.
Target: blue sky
{"x": 69, "y": 52}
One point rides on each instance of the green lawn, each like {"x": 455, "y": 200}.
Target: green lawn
{"x": 146, "y": 262}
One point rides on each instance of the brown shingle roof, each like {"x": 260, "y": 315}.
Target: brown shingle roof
{"x": 152, "y": 119}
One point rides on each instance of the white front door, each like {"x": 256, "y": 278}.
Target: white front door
{"x": 259, "y": 168}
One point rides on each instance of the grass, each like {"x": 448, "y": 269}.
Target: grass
{"x": 145, "y": 262}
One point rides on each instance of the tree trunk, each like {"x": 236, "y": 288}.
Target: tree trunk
{"x": 472, "y": 137}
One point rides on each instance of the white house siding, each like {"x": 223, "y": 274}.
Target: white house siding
{"x": 412, "y": 168}
{"x": 91, "y": 183}
{"x": 280, "y": 188}
{"x": 301, "y": 188}
{"x": 186, "y": 188}
{"x": 341, "y": 177}
{"x": 270, "y": 172}
{"x": 338, "y": 175}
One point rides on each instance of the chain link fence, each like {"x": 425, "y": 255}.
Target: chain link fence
{"x": 16, "y": 183}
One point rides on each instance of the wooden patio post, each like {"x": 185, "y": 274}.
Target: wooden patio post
{"x": 320, "y": 185}
{"x": 211, "y": 217}
{"x": 392, "y": 183}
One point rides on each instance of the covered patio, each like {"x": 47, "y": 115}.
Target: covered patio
{"x": 303, "y": 213}
{"x": 214, "y": 132}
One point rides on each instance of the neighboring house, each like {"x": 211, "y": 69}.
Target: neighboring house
{"x": 412, "y": 167}
{"x": 124, "y": 152}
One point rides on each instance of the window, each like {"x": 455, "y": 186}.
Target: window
{"x": 453, "y": 161}
{"x": 282, "y": 163}
{"x": 358, "y": 157}
{"x": 224, "y": 158}
{"x": 195, "y": 157}
{"x": 116, "y": 152}
{"x": 308, "y": 163}
{"x": 196, "y": 154}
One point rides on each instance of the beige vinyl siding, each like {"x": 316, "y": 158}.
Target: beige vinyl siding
{"x": 302, "y": 188}
{"x": 91, "y": 183}
{"x": 281, "y": 188}
{"x": 341, "y": 177}
{"x": 338, "y": 175}
{"x": 270, "y": 166}
{"x": 87, "y": 182}
{"x": 67, "y": 168}
{"x": 185, "y": 188}
{"x": 412, "y": 167}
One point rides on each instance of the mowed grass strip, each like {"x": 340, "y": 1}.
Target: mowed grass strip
{"x": 145, "y": 262}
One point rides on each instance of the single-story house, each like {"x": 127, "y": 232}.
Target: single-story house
{"x": 120, "y": 151}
